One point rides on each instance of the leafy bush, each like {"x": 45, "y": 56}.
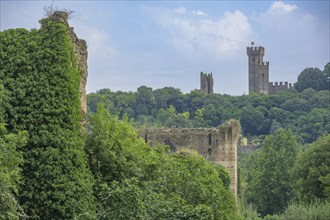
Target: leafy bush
{"x": 311, "y": 171}
{"x": 135, "y": 181}
{"x": 10, "y": 173}
{"x": 313, "y": 211}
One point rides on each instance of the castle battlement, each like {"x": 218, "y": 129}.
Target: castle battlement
{"x": 207, "y": 75}
{"x": 255, "y": 51}
{"x": 265, "y": 63}
{"x": 275, "y": 87}
{"x": 259, "y": 73}
{"x": 258, "y": 70}
{"x": 286, "y": 84}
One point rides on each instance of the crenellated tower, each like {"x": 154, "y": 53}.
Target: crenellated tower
{"x": 206, "y": 83}
{"x": 258, "y": 70}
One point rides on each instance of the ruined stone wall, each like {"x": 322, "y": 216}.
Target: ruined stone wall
{"x": 215, "y": 144}
{"x": 80, "y": 50}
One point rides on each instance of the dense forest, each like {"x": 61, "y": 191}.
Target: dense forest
{"x": 304, "y": 110}
{"x": 292, "y": 128}
{"x": 53, "y": 167}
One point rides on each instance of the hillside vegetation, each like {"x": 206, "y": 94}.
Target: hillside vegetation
{"x": 52, "y": 168}
{"x": 306, "y": 112}
{"x": 288, "y": 177}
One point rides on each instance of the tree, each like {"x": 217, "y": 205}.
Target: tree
{"x": 10, "y": 172}
{"x": 301, "y": 211}
{"x": 269, "y": 184}
{"x": 135, "y": 181}
{"x": 123, "y": 200}
{"x": 198, "y": 119}
{"x": 145, "y": 100}
{"x": 161, "y": 97}
{"x": 212, "y": 115}
{"x": 326, "y": 72}
{"x": 253, "y": 121}
{"x": 314, "y": 124}
{"x": 326, "y": 183}
{"x": 164, "y": 114}
{"x": 175, "y": 99}
{"x": 295, "y": 105}
{"x": 197, "y": 182}
{"x": 312, "y": 169}
{"x": 107, "y": 147}
{"x": 193, "y": 101}
{"x": 312, "y": 78}
{"x": 275, "y": 126}
{"x": 178, "y": 121}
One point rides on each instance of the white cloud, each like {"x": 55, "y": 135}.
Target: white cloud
{"x": 95, "y": 38}
{"x": 282, "y": 7}
{"x": 181, "y": 10}
{"x": 102, "y": 57}
{"x": 278, "y": 21}
{"x": 98, "y": 42}
{"x": 199, "y": 13}
{"x": 294, "y": 39}
{"x": 216, "y": 36}
{"x": 14, "y": 15}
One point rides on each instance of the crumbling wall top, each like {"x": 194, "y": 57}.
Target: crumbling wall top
{"x": 230, "y": 125}
{"x": 60, "y": 16}
{"x": 80, "y": 51}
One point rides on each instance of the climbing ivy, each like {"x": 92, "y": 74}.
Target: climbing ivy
{"x": 41, "y": 79}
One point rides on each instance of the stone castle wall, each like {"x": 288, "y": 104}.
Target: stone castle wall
{"x": 215, "y": 144}
{"x": 259, "y": 74}
{"x": 80, "y": 51}
{"x": 277, "y": 87}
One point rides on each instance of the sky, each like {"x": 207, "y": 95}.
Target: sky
{"x": 168, "y": 43}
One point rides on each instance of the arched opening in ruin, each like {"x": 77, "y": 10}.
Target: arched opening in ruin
{"x": 169, "y": 143}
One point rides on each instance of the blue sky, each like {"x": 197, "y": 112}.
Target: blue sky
{"x": 168, "y": 43}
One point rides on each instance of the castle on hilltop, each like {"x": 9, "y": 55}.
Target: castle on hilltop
{"x": 206, "y": 83}
{"x": 259, "y": 74}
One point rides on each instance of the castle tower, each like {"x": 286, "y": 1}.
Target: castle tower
{"x": 206, "y": 83}
{"x": 258, "y": 70}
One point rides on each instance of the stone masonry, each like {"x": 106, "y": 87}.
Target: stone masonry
{"x": 215, "y": 144}
{"x": 258, "y": 71}
{"x": 278, "y": 86}
{"x": 259, "y": 74}
{"x": 80, "y": 51}
{"x": 206, "y": 83}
